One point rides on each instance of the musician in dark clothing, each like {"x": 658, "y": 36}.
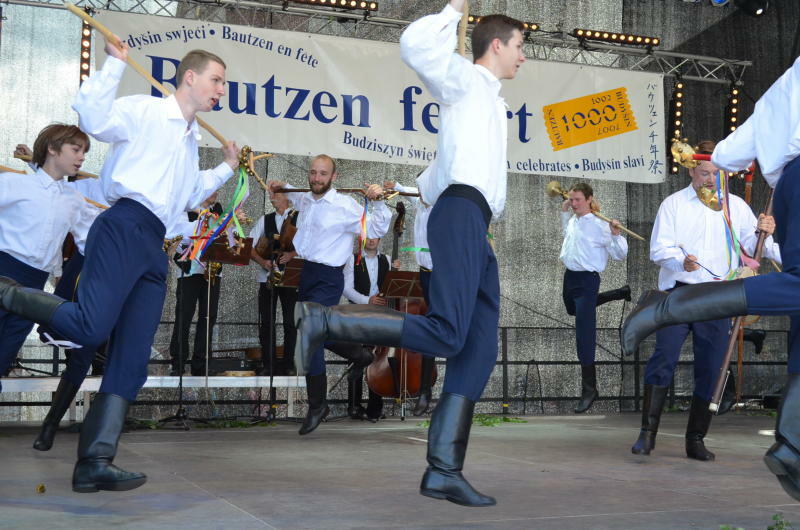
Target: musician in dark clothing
{"x": 268, "y": 227}
{"x": 362, "y": 284}
{"x": 192, "y": 294}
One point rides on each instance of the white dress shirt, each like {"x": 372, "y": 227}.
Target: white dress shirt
{"x": 683, "y": 220}
{"x": 588, "y": 243}
{"x": 326, "y": 226}
{"x": 36, "y": 213}
{"x": 262, "y": 274}
{"x": 153, "y": 158}
{"x": 771, "y": 134}
{"x": 349, "y": 280}
{"x": 421, "y": 213}
{"x": 91, "y": 189}
{"x": 471, "y": 145}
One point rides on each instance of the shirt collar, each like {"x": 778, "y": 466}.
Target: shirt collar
{"x": 329, "y": 196}
{"x": 491, "y": 80}
{"x": 174, "y": 113}
{"x": 690, "y": 193}
{"x": 46, "y": 180}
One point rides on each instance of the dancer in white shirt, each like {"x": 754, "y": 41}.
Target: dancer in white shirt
{"x": 38, "y": 211}
{"x": 150, "y": 178}
{"x": 467, "y": 187}
{"x": 588, "y": 243}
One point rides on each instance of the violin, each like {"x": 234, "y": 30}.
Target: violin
{"x": 397, "y": 372}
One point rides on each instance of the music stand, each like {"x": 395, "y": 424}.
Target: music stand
{"x": 180, "y": 417}
{"x": 402, "y": 284}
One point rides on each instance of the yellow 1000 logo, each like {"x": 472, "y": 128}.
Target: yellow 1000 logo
{"x": 588, "y": 118}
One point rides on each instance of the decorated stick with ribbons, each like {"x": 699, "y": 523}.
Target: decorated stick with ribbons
{"x": 136, "y": 66}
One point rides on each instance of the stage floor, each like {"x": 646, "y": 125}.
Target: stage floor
{"x": 551, "y": 472}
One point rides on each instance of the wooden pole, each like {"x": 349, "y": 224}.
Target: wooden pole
{"x": 136, "y": 66}
{"x": 462, "y": 31}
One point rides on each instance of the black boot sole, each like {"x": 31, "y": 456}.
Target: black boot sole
{"x": 435, "y": 494}
{"x": 777, "y": 459}
{"x": 43, "y": 442}
{"x": 124, "y": 485}
{"x": 581, "y": 408}
{"x": 312, "y": 429}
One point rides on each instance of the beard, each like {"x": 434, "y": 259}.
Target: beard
{"x": 321, "y": 189}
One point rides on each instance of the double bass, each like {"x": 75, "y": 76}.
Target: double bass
{"x": 397, "y": 372}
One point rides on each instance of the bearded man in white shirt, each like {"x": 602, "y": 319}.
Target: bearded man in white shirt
{"x": 467, "y": 187}
{"x": 327, "y": 223}
{"x": 150, "y": 177}
{"x": 588, "y": 243}
{"x": 690, "y": 244}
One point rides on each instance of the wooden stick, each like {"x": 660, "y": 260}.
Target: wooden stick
{"x": 5, "y": 169}
{"x": 462, "y": 31}
{"x": 97, "y": 204}
{"x": 738, "y": 322}
{"x": 136, "y": 66}
{"x": 629, "y": 232}
{"x": 344, "y": 190}
{"x": 82, "y": 174}
{"x": 251, "y": 158}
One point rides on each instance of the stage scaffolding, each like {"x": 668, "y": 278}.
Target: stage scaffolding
{"x": 543, "y": 46}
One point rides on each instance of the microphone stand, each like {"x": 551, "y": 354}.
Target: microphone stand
{"x": 180, "y": 418}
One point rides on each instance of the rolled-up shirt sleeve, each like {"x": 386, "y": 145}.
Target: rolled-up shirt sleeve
{"x": 427, "y": 46}
{"x": 100, "y": 114}
{"x": 664, "y": 251}
{"x": 378, "y": 220}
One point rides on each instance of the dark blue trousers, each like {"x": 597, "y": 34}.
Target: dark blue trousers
{"x": 122, "y": 288}
{"x": 14, "y": 329}
{"x": 709, "y": 342}
{"x": 464, "y": 294}
{"x": 778, "y": 293}
{"x": 324, "y": 285}
{"x": 79, "y": 360}
{"x": 579, "y": 292}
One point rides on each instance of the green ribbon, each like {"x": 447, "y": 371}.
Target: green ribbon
{"x": 415, "y": 249}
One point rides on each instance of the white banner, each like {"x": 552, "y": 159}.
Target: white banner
{"x": 304, "y": 94}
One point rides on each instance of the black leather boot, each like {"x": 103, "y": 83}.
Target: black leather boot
{"x": 696, "y": 430}
{"x": 426, "y": 382}
{"x": 318, "y": 410}
{"x": 363, "y": 324}
{"x": 623, "y": 293}
{"x": 688, "y": 303}
{"x": 588, "y": 388}
{"x": 653, "y": 405}
{"x": 63, "y": 397}
{"x": 33, "y": 304}
{"x": 447, "y": 447}
{"x": 783, "y": 458}
{"x": 98, "y": 446}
